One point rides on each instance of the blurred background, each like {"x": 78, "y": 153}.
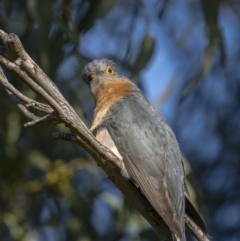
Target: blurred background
{"x": 184, "y": 55}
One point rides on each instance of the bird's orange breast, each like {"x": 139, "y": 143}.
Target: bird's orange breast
{"x": 108, "y": 94}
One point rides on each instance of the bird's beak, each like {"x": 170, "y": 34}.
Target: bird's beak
{"x": 92, "y": 76}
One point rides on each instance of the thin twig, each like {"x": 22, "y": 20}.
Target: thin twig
{"x": 17, "y": 97}
{"x": 22, "y": 108}
{"x": 27, "y": 101}
{"x": 49, "y": 119}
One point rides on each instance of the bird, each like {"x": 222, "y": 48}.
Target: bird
{"x": 126, "y": 123}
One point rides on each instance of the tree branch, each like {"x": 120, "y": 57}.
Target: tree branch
{"x": 58, "y": 110}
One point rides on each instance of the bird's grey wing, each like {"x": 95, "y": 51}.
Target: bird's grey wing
{"x": 151, "y": 156}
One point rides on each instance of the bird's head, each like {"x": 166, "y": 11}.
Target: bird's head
{"x": 100, "y": 72}
{"x": 97, "y": 69}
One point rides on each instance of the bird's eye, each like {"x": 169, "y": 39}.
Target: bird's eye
{"x": 109, "y": 70}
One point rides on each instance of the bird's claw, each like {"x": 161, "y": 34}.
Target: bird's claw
{"x": 3, "y": 50}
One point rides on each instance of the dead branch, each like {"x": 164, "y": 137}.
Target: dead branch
{"x": 58, "y": 110}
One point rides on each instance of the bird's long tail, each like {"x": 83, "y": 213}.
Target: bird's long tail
{"x": 192, "y": 213}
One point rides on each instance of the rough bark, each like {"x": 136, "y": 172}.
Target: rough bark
{"x": 57, "y": 110}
